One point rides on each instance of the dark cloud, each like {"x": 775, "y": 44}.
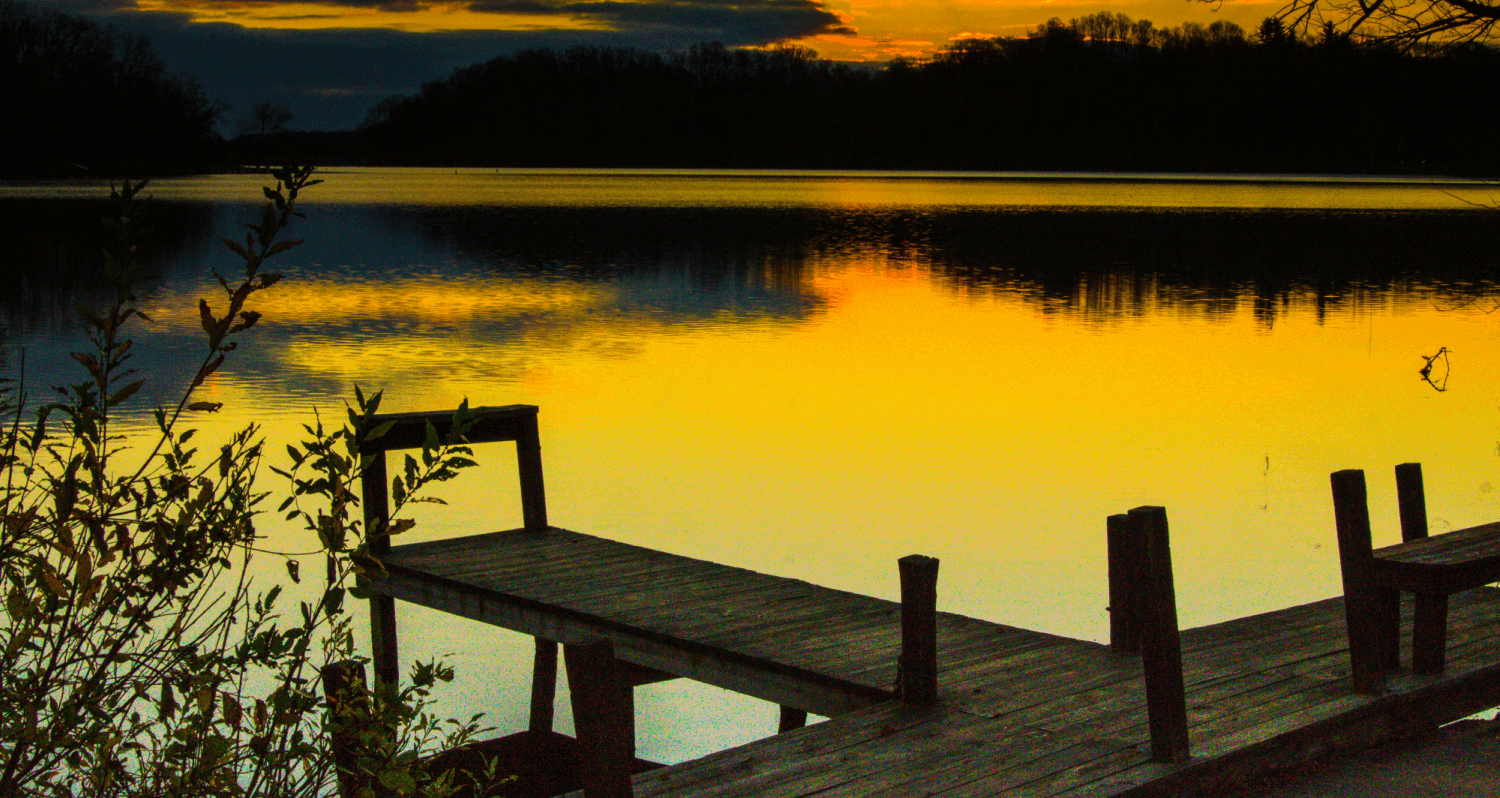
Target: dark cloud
{"x": 759, "y": 22}
{"x": 330, "y": 78}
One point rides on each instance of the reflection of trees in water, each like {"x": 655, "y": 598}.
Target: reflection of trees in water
{"x": 682, "y": 264}
{"x": 52, "y": 258}
{"x": 1117, "y": 264}
{"x": 1098, "y": 265}
{"x": 696, "y": 262}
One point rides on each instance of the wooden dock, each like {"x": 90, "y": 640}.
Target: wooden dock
{"x": 1016, "y": 712}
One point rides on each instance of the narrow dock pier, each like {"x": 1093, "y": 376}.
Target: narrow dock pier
{"x": 1015, "y": 712}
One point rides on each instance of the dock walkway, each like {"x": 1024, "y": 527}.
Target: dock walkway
{"x": 1263, "y": 693}
{"x": 1017, "y": 712}
{"x": 800, "y": 645}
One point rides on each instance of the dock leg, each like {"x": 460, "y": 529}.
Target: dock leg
{"x": 543, "y": 684}
{"x": 383, "y": 653}
{"x": 1161, "y": 648}
{"x": 791, "y": 718}
{"x": 1367, "y": 622}
{"x": 602, "y": 718}
{"x": 918, "y": 629}
{"x": 348, "y": 697}
{"x": 1429, "y": 633}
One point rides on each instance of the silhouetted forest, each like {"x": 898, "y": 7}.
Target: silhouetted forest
{"x": 1099, "y": 93}
{"x": 83, "y": 99}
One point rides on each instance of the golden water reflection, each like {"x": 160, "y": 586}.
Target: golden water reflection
{"x": 819, "y": 407}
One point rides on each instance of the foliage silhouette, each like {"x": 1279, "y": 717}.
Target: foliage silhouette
{"x": 137, "y": 655}
{"x": 83, "y": 99}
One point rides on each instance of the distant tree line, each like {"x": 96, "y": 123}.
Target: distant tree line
{"x": 82, "y": 99}
{"x": 1102, "y": 92}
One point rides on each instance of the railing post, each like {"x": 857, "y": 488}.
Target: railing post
{"x": 602, "y": 717}
{"x": 1365, "y": 613}
{"x": 1124, "y": 626}
{"x": 918, "y": 665}
{"x": 1412, "y": 501}
{"x": 529, "y": 464}
{"x": 1161, "y": 649}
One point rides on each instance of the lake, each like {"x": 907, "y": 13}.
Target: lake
{"x": 813, "y": 374}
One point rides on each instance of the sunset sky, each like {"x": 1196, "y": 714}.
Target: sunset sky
{"x": 330, "y": 60}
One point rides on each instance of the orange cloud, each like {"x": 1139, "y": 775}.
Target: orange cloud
{"x": 869, "y": 48}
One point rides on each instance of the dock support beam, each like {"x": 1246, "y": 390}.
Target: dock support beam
{"x": 918, "y": 665}
{"x": 603, "y": 717}
{"x": 543, "y": 684}
{"x": 1161, "y": 649}
{"x": 1369, "y": 611}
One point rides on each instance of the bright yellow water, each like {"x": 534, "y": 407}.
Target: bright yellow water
{"x": 896, "y": 413}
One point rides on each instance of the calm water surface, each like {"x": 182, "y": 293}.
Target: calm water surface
{"x": 813, "y": 374}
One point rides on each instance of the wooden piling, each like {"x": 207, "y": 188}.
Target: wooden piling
{"x": 918, "y": 665}
{"x": 543, "y": 684}
{"x": 602, "y": 718}
{"x": 383, "y": 648}
{"x": 348, "y": 697}
{"x": 1364, "y": 606}
{"x": 1124, "y": 626}
{"x": 1411, "y": 498}
{"x": 1161, "y": 649}
{"x": 529, "y": 464}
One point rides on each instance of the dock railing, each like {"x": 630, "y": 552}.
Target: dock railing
{"x": 410, "y": 431}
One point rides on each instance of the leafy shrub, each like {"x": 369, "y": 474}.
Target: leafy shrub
{"x": 137, "y": 657}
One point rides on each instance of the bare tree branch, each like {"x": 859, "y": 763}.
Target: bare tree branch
{"x": 1403, "y": 23}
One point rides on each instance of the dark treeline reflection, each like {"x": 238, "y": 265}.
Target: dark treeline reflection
{"x": 53, "y": 255}
{"x": 685, "y": 264}
{"x": 1100, "y": 93}
{"x": 1086, "y": 262}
